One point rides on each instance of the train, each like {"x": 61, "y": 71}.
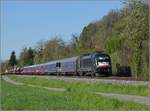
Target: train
{"x": 94, "y": 64}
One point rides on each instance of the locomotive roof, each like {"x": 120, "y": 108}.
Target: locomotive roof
{"x": 69, "y": 59}
{"x": 101, "y": 54}
{"x": 85, "y": 56}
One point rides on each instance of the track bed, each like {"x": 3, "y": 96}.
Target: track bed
{"x": 110, "y": 79}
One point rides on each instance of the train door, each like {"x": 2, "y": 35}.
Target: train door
{"x": 58, "y": 68}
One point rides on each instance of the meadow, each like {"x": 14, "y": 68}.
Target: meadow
{"x": 78, "y": 85}
{"x": 78, "y": 96}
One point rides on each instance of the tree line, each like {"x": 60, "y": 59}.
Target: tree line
{"x": 122, "y": 33}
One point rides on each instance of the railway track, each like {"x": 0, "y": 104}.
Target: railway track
{"x": 89, "y": 79}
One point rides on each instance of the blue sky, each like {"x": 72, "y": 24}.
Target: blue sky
{"x": 25, "y": 23}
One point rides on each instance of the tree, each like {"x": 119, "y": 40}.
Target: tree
{"x": 30, "y": 56}
{"x": 86, "y": 39}
{"x": 23, "y": 57}
{"x": 12, "y": 60}
{"x": 129, "y": 37}
{"x": 73, "y": 45}
{"x": 38, "y": 54}
{"x": 54, "y": 49}
{"x": 138, "y": 31}
{"x": 26, "y": 56}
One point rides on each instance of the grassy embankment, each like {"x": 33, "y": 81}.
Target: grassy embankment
{"x": 77, "y": 96}
{"x": 88, "y": 87}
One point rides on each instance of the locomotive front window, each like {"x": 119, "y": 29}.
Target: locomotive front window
{"x": 103, "y": 61}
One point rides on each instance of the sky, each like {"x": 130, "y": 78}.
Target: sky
{"x": 24, "y": 23}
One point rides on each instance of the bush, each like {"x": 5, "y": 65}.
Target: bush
{"x": 115, "y": 59}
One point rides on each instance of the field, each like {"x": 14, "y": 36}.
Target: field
{"x": 78, "y": 95}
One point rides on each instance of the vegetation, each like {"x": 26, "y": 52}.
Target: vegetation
{"x": 121, "y": 33}
{"x": 12, "y": 61}
{"x": 87, "y": 87}
{"x": 29, "y": 98}
{"x": 26, "y": 57}
{"x": 4, "y": 66}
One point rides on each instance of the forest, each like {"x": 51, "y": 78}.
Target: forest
{"x": 123, "y": 34}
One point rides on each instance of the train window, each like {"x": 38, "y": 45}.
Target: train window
{"x": 58, "y": 64}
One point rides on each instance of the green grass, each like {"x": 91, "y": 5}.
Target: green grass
{"x": 95, "y": 87}
{"x": 15, "y": 97}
